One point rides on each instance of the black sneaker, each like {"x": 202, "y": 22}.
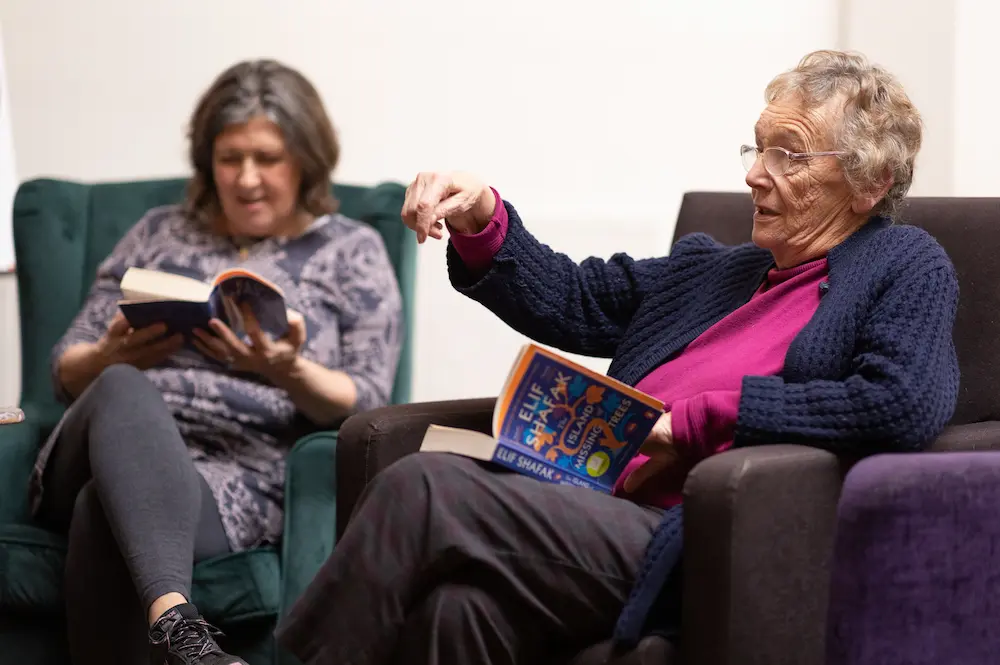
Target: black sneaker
{"x": 182, "y": 637}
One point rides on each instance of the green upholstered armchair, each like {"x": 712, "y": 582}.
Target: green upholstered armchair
{"x": 62, "y": 230}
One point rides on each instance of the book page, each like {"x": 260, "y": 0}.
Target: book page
{"x": 144, "y": 285}
{"x": 232, "y": 273}
{"x": 466, "y": 442}
{"x": 265, "y": 300}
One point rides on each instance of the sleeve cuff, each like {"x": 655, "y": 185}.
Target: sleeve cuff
{"x": 684, "y": 425}
{"x": 703, "y": 424}
{"x": 477, "y": 250}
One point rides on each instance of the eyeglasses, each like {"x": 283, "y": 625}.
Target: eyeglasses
{"x": 777, "y": 160}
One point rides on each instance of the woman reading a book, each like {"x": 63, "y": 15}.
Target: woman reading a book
{"x": 832, "y": 329}
{"x": 171, "y": 453}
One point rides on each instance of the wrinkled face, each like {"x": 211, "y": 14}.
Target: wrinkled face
{"x": 812, "y": 198}
{"x": 256, "y": 179}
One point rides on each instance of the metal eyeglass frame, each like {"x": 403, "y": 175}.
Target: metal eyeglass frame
{"x": 789, "y": 155}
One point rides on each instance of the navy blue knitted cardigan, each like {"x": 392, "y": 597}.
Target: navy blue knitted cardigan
{"x": 874, "y": 370}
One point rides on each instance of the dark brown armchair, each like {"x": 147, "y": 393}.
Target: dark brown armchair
{"x": 759, "y": 522}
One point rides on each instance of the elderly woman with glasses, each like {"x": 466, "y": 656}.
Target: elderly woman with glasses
{"x": 833, "y": 328}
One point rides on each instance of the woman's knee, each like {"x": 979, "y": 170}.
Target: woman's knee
{"x": 120, "y": 394}
{"x": 117, "y": 381}
{"x": 453, "y": 609}
{"x": 423, "y": 481}
{"x": 417, "y": 473}
{"x": 414, "y": 469}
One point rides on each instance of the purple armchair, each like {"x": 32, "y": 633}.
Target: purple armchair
{"x": 916, "y": 569}
{"x": 915, "y": 576}
{"x": 759, "y": 522}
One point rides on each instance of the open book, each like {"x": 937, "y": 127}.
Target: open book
{"x": 559, "y": 422}
{"x": 183, "y": 303}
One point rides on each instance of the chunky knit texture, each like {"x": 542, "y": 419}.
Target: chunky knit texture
{"x": 873, "y": 371}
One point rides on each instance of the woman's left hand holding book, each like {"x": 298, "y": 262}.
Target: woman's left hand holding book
{"x": 267, "y": 357}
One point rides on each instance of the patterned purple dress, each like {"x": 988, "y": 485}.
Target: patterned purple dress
{"x": 238, "y": 427}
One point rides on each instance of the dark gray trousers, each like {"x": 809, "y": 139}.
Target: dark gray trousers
{"x": 448, "y": 560}
{"x": 121, "y": 483}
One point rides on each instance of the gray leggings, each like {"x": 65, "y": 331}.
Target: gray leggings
{"x": 120, "y": 482}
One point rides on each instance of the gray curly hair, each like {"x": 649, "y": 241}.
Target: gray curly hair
{"x": 881, "y": 129}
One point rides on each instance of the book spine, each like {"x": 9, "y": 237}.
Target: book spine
{"x": 515, "y": 459}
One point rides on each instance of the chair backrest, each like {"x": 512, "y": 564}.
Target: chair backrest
{"x": 63, "y": 230}
{"x": 969, "y": 231}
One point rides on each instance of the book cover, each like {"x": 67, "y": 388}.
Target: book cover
{"x": 180, "y": 316}
{"x": 559, "y": 422}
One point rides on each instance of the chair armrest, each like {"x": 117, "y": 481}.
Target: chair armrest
{"x": 974, "y": 436}
{"x": 10, "y": 415}
{"x": 371, "y": 441}
{"x": 758, "y": 539}
{"x": 310, "y": 513}
{"x": 914, "y": 577}
{"x": 19, "y": 445}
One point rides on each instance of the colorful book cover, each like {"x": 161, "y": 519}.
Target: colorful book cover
{"x": 559, "y": 422}
{"x": 582, "y": 426}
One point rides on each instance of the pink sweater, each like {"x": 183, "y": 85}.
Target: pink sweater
{"x": 701, "y": 385}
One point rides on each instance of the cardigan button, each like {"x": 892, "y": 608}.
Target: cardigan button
{"x": 824, "y": 287}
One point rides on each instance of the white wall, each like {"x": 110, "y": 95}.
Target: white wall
{"x": 592, "y": 121}
{"x": 915, "y": 40}
{"x": 8, "y": 174}
{"x": 977, "y": 99}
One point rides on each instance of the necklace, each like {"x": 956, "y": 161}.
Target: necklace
{"x": 243, "y": 245}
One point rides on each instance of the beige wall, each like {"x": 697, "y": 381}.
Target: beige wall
{"x": 977, "y": 99}
{"x": 592, "y": 123}
{"x": 10, "y": 356}
{"x": 914, "y": 39}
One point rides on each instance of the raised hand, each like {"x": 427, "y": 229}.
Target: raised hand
{"x": 458, "y": 198}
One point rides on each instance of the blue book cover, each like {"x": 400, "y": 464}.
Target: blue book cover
{"x": 184, "y": 304}
{"x": 559, "y": 422}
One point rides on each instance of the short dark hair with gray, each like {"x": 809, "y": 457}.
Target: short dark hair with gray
{"x": 264, "y": 88}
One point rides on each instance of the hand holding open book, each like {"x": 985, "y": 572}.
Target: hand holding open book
{"x": 559, "y": 422}
{"x": 238, "y": 319}
{"x": 143, "y": 347}
{"x": 184, "y": 304}
{"x": 260, "y": 354}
